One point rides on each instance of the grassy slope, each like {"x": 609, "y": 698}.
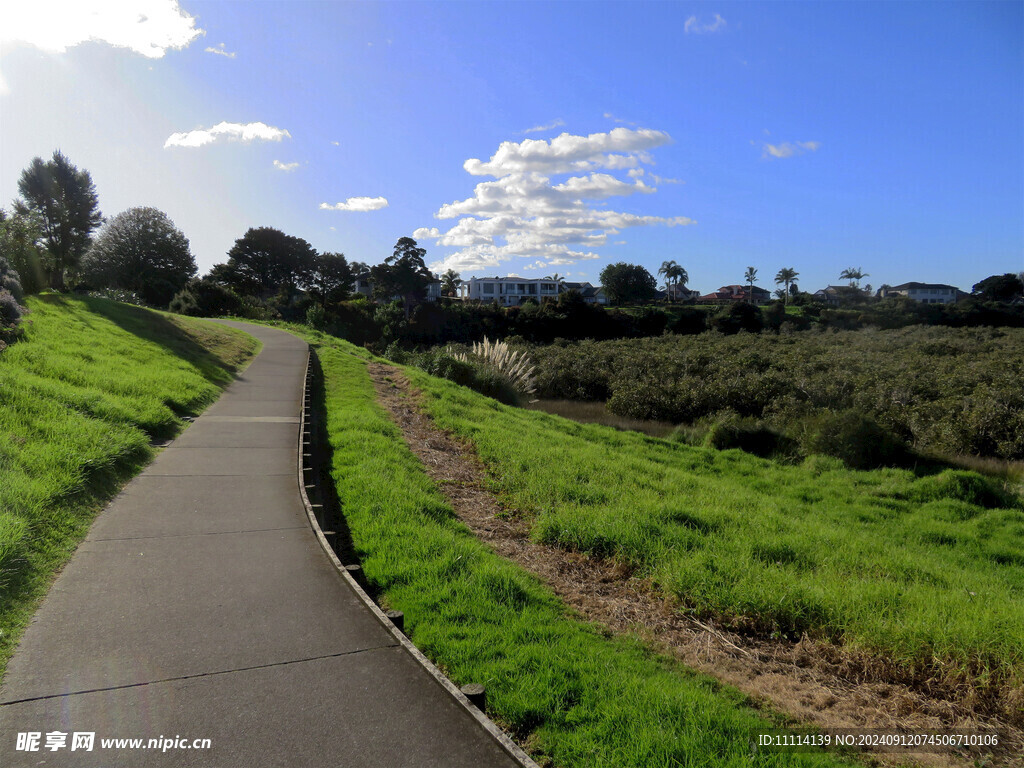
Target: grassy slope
{"x": 924, "y": 571}
{"x": 80, "y": 399}
{"x": 573, "y": 694}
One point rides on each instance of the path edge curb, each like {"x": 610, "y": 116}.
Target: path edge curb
{"x": 504, "y": 741}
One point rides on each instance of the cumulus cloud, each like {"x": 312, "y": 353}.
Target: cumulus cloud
{"x": 619, "y": 148}
{"x": 228, "y": 132}
{"x": 789, "y": 149}
{"x": 423, "y": 233}
{"x": 285, "y": 166}
{"x": 524, "y": 213}
{"x": 695, "y": 27}
{"x": 147, "y": 27}
{"x": 219, "y": 50}
{"x": 538, "y": 128}
{"x": 360, "y": 204}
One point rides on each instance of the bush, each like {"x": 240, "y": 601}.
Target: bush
{"x": 10, "y": 281}
{"x": 205, "y": 298}
{"x": 962, "y": 486}
{"x": 856, "y": 440}
{"x": 316, "y": 317}
{"x": 740, "y": 316}
{"x": 749, "y": 435}
{"x": 10, "y": 317}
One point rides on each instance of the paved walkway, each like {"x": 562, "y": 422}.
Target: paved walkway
{"x": 202, "y": 607}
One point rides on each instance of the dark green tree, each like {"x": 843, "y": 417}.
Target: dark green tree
{"x": 140, "y": 250}
{"x": 64, "y": 200}
{"x": 330, "y": 278}
{"x": 20, "y": 235}
{"x": 403, "y": 274}
{"x": 625, "y": 283}
{"x": 999, "y": 287}
{"x": 450, "y": 282}
{"x": 265, "y": 262}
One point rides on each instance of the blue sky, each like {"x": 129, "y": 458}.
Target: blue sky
{"x": 531, "y": 138}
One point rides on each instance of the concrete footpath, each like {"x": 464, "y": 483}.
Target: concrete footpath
{"x": 201, "y": 606}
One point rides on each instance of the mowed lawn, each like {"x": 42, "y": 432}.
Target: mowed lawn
{"x": 572, "y": 694}
{"x": 925, "y": 574}
{"x": 81, "y": 398}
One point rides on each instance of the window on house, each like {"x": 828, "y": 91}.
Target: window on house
{"x": 488, "y": 288}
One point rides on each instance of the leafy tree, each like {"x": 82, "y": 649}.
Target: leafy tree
{"x": 625, "y": 283}
{"x": 786, "y": 275}
{"x": 750, "y": 276}
{"x": 999, "y": 287}
{"x": 404, "y": 274}
{"x": 450, "y": 282}
{"x": 140, "y": 250}
{"x": 64, "y": 199}
{"x": 330, "y": 278}
{"x": 264, "y": 262}
{"x": 853, "y": 274}
{"x": 20, "y": 234}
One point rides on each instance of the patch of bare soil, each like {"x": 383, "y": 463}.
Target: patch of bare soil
{"x": 813, "y": 682}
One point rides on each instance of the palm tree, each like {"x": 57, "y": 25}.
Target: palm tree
{"x": 786, "y": 275}
{"x": 674, "y": 275}
{"x": 853, "y": 274}
{"x": 450, "y": 282}
{"x": 750, "y": 276}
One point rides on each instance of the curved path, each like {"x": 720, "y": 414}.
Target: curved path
{"x": 201, "y": 606}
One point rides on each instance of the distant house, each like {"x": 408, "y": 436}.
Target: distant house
{"x": 831, "y": 295}
{"x": 679, "y": 292}
{"x": 736, "y": 293}
{"x": 926, "y": 293}
{"x": 592, "y": 294}
{"x": 508, "y": 291}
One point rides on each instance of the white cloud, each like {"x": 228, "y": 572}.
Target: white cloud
{"x": 538, "y": 128}
{"x": 219, "y": 50}
{"x": 229, "y": 132}
{"x": 695, "y": 27}
{"x": 147, "y": 27}
{"x": 619, "y": 148}
{"x": 361, "y": 204}
{"x": 336, "y": 143}
{"x": 524, "y": 214}
{"x": 423, "y": 233}
{"x": 285, "y": 166}
{"x": 789, "y": 149}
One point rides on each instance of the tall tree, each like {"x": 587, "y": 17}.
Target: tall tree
{"x": 404, "y": 274}
{"x": 786, "y": 276}
{"x": 140, "y": 250}
{"x": 330, "y": 278}
{"x": 450, "y": 282}
{"x": 674, "y": 276}
{"x": 750, "y": 276}
{"x": 64, "y": 199}
{"x": 624, "y": 283}
{"x": 999, "y": 287}
{"x": 853, "y": 274}
{"x": 264, "y": 262}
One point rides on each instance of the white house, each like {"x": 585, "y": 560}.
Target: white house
{"x": 508, "y": 291}
{"x": 926, "y": 293}
{"x": 364, "y": 285}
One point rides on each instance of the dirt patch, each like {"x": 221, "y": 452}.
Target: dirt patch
{"x": 813, "y": 682}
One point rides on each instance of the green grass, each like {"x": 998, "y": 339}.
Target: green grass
{"x": 81, "y": 398}
{"x": 574, "y": 695}
{"x": 924, "y": 573}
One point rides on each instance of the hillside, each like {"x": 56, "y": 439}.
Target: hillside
{"x": 83, "y": 399}
{"x": 902, "y": 580}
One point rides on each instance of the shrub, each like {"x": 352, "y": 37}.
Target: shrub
{"x": 10, "y": 316}
{"x": 961, "y": 486}
{"x": 497, "y": 359}
{"x": 740, "y": 316}
{"x": 856, "y": 440}
{"x": 749, "y": 435}
{"x": 316, "y": 317}
{"x": 10, "y": 281}
{"x": 205, "y": 298}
